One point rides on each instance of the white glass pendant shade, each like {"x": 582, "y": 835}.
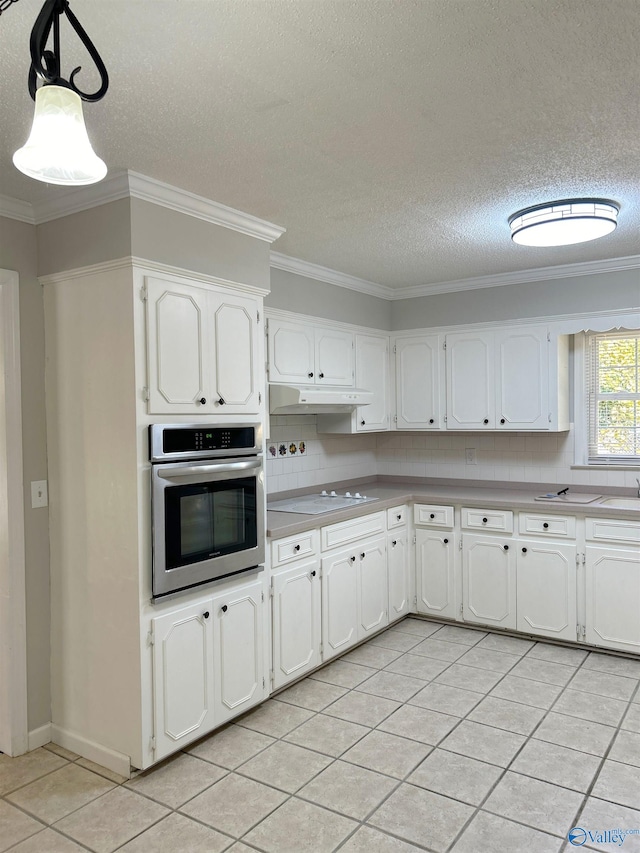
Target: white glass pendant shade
{"x": 563, "y": 223}
{"x": 58, "y": 150}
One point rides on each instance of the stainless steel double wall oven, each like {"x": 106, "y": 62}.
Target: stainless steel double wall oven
{"x": 207, "y": 501}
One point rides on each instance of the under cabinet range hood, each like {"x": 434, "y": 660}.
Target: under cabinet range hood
{"x": 315, "y": 399}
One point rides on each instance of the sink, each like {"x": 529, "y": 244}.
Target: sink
{"x": 621, "y": 503}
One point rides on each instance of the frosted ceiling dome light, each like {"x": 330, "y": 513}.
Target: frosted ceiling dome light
{"x": 563, "y": 223}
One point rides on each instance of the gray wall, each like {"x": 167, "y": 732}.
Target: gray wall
{"x": 18, "y": 251}
{"x": 163, "y": 235}
{"x": 579, "y": 294}
{"x": 302, "y": 295}
{"x": 90, "y": 237}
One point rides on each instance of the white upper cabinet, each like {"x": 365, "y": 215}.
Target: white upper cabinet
{"x": 419, "y": 382}
{"x": 470, "y": 381}
{"x": 372, "y": 374}
{"x": 202, "y": 349}
{"x": 507, "y": 379}
{"x": 301, "y": 354}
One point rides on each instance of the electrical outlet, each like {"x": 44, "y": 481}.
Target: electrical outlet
{"x": 39, "y": 495}
{"x": 470, "y": 456}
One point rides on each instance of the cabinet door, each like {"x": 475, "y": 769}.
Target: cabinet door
{"x": 296, "y": 621}
{"x": 546, "y": 589}
{"x": 182, "y": 677}
{"x": 488, "y": 581}
{"x": 333, "y": 357}
{"x": 399, "y": 569}
{"x": 419, "y": 382}
{"x": 238, "y": 650}
{"x": 372, "y": 374}
{"x": 522, "y": 379}
{"x": 339, "y": 602}
{"x": 470, "y": 381}
{"x": 235, "y": 376}
{"x": 291, "y": 353}
{"x": 373, "y": 586}
{"x": 435, "y": 573}
{"x": 177, "y": 347}
{"x": 613, "y": 598}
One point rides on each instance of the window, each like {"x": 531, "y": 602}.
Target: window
{"x": 613, "y": 397}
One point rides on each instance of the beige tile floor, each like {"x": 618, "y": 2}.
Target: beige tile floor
{"x": 429, "y": 737}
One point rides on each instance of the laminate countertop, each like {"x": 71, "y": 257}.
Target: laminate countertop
{"x": 460, "y": 493}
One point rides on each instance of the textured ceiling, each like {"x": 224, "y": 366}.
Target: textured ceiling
{"x": 392, "y": 138}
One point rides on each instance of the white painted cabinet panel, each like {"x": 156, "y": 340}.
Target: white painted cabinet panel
{"x": 339, "y": 602}
{"x": 303, "y": 354}
{"x": 435, "y": 573}
{"x": 488, "y": 580}
{"x": 202, "y": 350}
{"x": 372, "y": 374}
{"x": 334, "y": 357}
{"x": 296, "y": 622}
{"x": 238, "y": 650}
{"x": 182, "y": 677}
{"x": 419, "y": 390}
{"x": 470, "y": 381}
{"x": 522, "y": 379}
{"x": 613, "y": 597}
{"x": 399, "y": 568}
{"x": 373, "y": 593}
{"x": 546, "y": 589}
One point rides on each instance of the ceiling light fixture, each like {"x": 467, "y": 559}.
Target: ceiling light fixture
{"x": 562, "y": 223}
{"x": 58, "y": 150}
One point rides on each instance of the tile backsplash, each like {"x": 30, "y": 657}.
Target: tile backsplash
{"x": 513, "y": 457}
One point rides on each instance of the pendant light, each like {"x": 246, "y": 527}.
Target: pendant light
{"x": 58, "y": 150}
{"x": 563, "y": 223}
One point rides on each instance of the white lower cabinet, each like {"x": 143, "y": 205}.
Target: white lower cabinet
{"x": 613, "y": 597}
{"x": 373, "y": 593}
{"x": 399, "y": 569}
{"x": 207, "y": 665}
{"x": 435, "y": 573}
{"x": 489, "y": 580}
{"x": 546, "y": 576}
{"x": 339, "y": 602}
{"x": 296, "y": 625}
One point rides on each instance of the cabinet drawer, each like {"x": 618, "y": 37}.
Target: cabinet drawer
{"x": 488, "y": 519}
{"x": 396, "y": 517}
{"x": 548, "y": 525}
{"x": 431, "y": 515}
{"x": 613, "y": 530}
{"x": 290, "y": 548}
{"x": 345, "y": 532}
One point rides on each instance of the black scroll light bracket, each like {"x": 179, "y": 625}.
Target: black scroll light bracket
{"x": 45, "y": 64}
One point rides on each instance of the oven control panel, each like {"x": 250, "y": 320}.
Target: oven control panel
{"x": 194, "y": 441}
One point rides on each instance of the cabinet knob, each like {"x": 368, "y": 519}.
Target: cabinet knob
{"x": 399, "y": 517}
{"x": 506, "y": 547}
{"x": 394, "y": 542}
{"x": 310, "y": 375}
{"x": 313, "y": 573}
{"x": 352, "y": 559}
{"x": 205, "y": 615}
{"x": 485, "y": 421}
{"x": 446, "y": 541}
{"x": 362, "y": 555}
{"x": 545, "y": 525}
{"x": 432, "y": 515}
{"x": 224, "y": 608}
{"x": 524, "y": 550}
{"x": 321, "y": 375}
{"x": 431, "y": 421}
{"x": 202, "y": 401}
{"x": 484, "y": 520}
{"x": 361, "y": 423}
{"x": 221, "y": 401}
{"x": 502, "y": 421}
{"x": 296, "y": 547}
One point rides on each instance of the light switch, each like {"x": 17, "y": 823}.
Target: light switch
{"x": 39, "y": 495}
{"x": 470, "y": 456}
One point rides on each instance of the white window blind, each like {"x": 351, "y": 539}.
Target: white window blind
{"x": 613, "y": 397}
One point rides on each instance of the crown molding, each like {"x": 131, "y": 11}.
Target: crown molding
{"x": 65, "y": 203}
{"x": 13, "y": 208}
{"x": 521, "y": 277}
{"x": 340, "y": 279}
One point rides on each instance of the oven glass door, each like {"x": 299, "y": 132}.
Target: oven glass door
{"x": 208, "y": 520}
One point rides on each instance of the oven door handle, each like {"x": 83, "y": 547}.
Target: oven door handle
{"x": 215, "y": 468}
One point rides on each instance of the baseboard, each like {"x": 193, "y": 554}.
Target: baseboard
{"x": 91, "y": 750}
{"x": 38, "y": 737}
